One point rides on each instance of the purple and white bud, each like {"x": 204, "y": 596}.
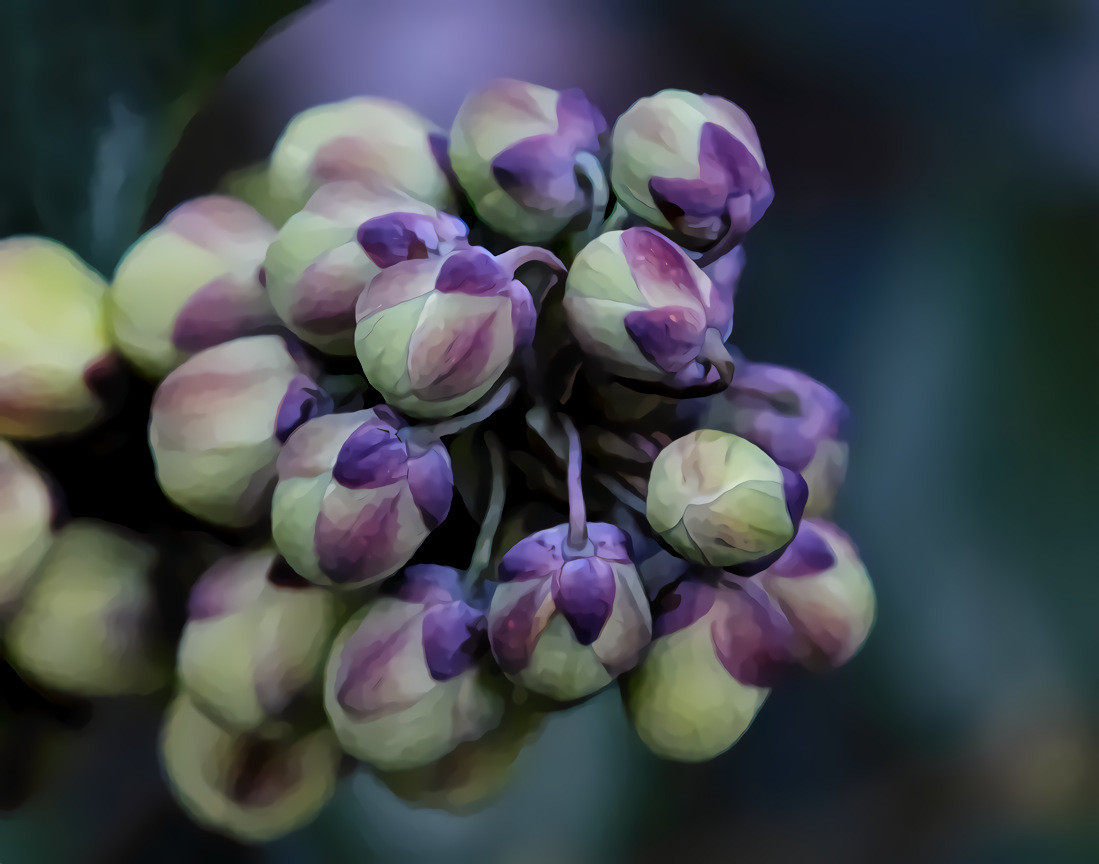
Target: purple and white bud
{"x": 384, "y": 145}
{"x": 355, "y": 499}
{"x": 55, "y": 345}
{"x": 435, "y": 335}
{"x": 256, "y": 639}
{"x": 324, "y": 256}
{"x": 719, "y": 500}
{"x": 824, "y": 590}
{"x": 405, "y": 683}
{"x": 247, "y": 788}
{"x": 87, "y": 623}
{"x": 191, "y": 282}
{"x": 691, "y": 166}
{"x": 797, "y": 421}
{"x": 644, "y": 311}
{"x": 716, "y": 651}
{"x": 527, "y": 157}
{"x": 566, "y": 622}
{"x": 218, "y": 421}
{"x": 27, "y": 510}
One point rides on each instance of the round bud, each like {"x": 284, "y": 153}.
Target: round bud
{"x": 719, "y": 500}
{"x": 27, "y": 510}
{"x": 217, "y": 423}
{"x": 191, "y": 282}
{"x": 691, "y": 166}
{"x": 54, "y": 341}
{"x": 523, "y": 154}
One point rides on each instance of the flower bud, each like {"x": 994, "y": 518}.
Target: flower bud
{"x": 217, "y": 422}
{"x": 719, "y": 500}
{"x": 191, "y": 282}
{"x": 255, "y": 640}
{"x": 797, "y": 421}
{"x": 250, "y": 789}
{"x": 716, "y": 651}
{"x": 405, "y": 684}
{"x": 517, "y": 148}
{"x": 354, "y": 500}
{"x": 384, "y": 145}
{"x": 54, "y": 342}
{"x": 86, "y": 623}
{"x": 565, "y": 623}
{"x": 824, "y": 590}
{"x": 27, "y": 510}
{"x": 640, "y": 307}
{"x": 316, "y": 268}
{"x": 435, "y": 335}
{"x": 690, "y": 165}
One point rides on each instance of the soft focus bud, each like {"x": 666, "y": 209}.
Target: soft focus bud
{"x": 217, "y": 422}
{"x": 27, "y": 509}
{"x": 565, "y": 623}
{"x": 382, "y": 144}
{"x": 690, "y": 165}
{"x": 354, "y": 500}
{"x": 725, "y": 272}
{"x": 823, "y": 588}
{"x": 525, "y": 154}
{"x": 797, "y": 421}
{"x": 250, "y": 789}
{"x": 86, "y": 623}
{"x": 191, "y": 282}
{"x": 317, "y": 267}
{"x": 716, "y": 651}
{"x": 645, "y": 311}
{"x": 255, "y": 640}
{"x": 434, "y": 335}
{"x": 54, "y": 341}
{"x": 405, "y": 684}
{"x": 719, "y": 500}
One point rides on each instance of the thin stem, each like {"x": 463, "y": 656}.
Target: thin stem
{"x": 462, "y": 422}
{"x": 591, "y": 168}
{"x": 482, "y": 551}
{"x": 578, "y": 518}
{"x": 624, "y": 495}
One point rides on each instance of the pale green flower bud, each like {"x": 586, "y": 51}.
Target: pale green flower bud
{"x": 27, "y": 509}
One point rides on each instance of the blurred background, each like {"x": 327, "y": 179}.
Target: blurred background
{"x": 932, "y": 255}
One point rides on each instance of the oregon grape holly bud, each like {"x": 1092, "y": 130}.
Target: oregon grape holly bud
{"x": 27, "y": 510}
{"x": 527, "y": 158}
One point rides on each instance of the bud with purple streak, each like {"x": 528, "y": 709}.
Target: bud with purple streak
{"x": 355, "y": 499}
{"x": 384, "y": 145}
{"x": 324, "y": 256}
{"x": 566, "y": 622}
{"x": 797, "y": 421}
{"x": 824, "y": 590}
{"x": 250, "y": 789}
{"x": 191, "y": 282}
{"x": 27, "y": 509}
{"x": 527, "y": 157}
{"x": 717, "y": 649}
{"x": 434, "y": 335}
{"x": 55, "y": 344}
{"x": 690, "y": 166}
{"x": 719, "y": 500}
{"x": 642, "y": 310}
{"x": 87, "y": 623}
{"x": 256, "y": 638}
{"x": 218, "y": 421}
{"x": 405, "y": 683}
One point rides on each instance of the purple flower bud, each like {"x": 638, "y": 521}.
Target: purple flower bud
{"x": 691, "y": 166}
{"x": 797, "y": 421}
{"x": 397, "y": 237}
{"x": 355, "y": 500}
{"x": 435, "y": 335}
{"x": 564, "y": 622}
{"x": 217, "y": 422}
{"x": 404, "y": 683}
{"x": 527, "y": 158}
{"x": 823, "y": 589}
{"x": 640, "y": 307}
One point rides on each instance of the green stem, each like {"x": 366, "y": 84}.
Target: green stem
{"x": 482, "y": 551}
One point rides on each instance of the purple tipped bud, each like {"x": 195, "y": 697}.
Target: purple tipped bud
{"x": 454, "y": 639}
{"x": 583, "y": 591}
{"x": 403, "y": 236}
{"x": 303, "y": 401}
